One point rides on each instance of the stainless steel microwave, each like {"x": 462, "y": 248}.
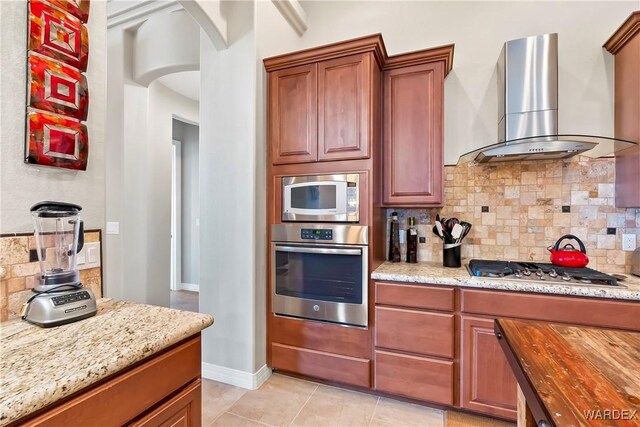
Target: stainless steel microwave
{"x": 321, "y": 198}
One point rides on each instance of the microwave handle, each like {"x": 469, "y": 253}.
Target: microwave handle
{"x": 323, "y": 251}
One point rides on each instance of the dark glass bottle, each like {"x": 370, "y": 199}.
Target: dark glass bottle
{"x": 412, "y": 241}
{"x": 394, "y": 238}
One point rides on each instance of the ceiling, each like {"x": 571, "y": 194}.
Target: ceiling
{"x": 186, "y": 83}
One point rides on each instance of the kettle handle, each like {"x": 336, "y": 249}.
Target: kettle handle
{"x": 570, "y": 236}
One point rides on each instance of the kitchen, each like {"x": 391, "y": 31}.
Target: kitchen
{"x": 470, "y": 96}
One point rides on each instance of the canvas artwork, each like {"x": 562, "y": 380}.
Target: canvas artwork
{"x": 58, "y": 96}
{"x": 56, "y": 141}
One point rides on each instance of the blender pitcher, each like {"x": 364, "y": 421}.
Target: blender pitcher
{"x": 59, "y": 234}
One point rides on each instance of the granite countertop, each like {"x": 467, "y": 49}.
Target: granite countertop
{"x": 436, "y": 274}
{"x": 39, "y": 366}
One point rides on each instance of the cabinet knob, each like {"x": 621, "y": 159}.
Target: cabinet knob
{"x": 499, "y": 335}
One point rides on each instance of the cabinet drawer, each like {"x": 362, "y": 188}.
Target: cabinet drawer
{"x": 415, "y": 331}
{"x": 327, "y": 366}
{"x": 416, "y": 377}
{"x": 551, "y": 308}
{"x": 418, "y": 296}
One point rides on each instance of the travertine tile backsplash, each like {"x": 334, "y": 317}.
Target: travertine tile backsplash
{"x": 525, "y": 216}
{"x": 21, "y": 275}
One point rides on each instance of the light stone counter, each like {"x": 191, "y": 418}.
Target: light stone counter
{"x": 436, "y": 274}
{"x": 39, "y": 366}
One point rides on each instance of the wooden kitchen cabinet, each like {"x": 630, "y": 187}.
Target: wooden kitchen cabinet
{"x": 323, "y": 111}
{"x": 487, "y": 384}
{"x": 625, "y": 45}
{"x": 293, "y": 114}
{"x": 164, "y": 390}
{"x": 413, "y": 139}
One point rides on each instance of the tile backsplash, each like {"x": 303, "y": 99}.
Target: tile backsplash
{"x": 21, "y": 275}
{"x": 523, "y": 211}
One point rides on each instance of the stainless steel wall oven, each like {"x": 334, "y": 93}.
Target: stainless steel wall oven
{"x": 320, "y": 272}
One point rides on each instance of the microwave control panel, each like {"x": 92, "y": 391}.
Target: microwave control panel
{"x": 315, "y": 234}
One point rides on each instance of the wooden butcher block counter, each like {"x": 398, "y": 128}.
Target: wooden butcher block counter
{"x": 573, "y": 376}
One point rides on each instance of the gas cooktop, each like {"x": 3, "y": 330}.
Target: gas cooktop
{"x": 539, "y": 271}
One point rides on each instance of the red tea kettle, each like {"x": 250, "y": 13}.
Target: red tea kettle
{"x": 569, "y": 256}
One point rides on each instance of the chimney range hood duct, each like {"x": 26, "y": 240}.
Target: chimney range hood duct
{"x": 528, "y": 109}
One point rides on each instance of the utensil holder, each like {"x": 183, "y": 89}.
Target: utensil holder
{"x": 451, "y": 255}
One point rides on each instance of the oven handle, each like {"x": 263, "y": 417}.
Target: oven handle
{"x": 323, "y": 251}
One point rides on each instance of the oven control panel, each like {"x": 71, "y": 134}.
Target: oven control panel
{"x": 315, "y": 234}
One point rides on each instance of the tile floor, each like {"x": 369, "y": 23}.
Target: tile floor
{"x": 286, "y": 401}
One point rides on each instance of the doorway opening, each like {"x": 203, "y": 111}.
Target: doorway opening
{"x": 185, "y": 216}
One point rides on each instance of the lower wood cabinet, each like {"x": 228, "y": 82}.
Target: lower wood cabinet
{"x": 162, "y": 391}
{"x": 487, "y": 384}
{"x": 421, "y": 378}
{"x": 319, "y": 364}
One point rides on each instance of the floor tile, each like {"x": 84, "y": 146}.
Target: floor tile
{"x": 277, "y": 402}
{"x": 217, "y": 398}
{"x": 230, "y": 420}
{"x": 393, "y": 413}
{"x": 461, "y": 419}
{"x": 330, "y": 406}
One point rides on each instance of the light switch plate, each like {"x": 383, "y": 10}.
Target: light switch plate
{"x": 113, "y": 228}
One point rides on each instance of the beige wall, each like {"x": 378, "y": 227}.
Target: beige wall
{"x": 22, "y": 185}
{"x": 479, "y": 29}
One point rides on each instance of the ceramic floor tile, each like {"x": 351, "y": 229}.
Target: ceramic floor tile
{"x": 461, "y": 419}
{"x": 217, "y": 398}
{"x": 277, "y": 402}
{"x": 230, "y": 420}
{"x": 330, "y": 406}
{"x": 393, "y": 413}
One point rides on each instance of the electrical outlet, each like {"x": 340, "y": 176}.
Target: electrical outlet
{"x": 113, "y": 228}
{"x": 628, "y": 242}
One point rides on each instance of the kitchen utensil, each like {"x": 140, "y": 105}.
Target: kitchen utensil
{"x": 58, "y": 297}
{"x": 457, "y": 232}
{"x": 569, "y": 256}
{"x": 440, "y": 229}
{"x": 635, "y": 262}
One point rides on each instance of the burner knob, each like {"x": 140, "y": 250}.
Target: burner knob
{"x": 539, "y": 273}
{"x": 541, "y": 277}
{"x": 566, "y": 277}
{"x": 518, "y": 274}
{"x": 553, "y": 273}
{"x": 526, "y": 272}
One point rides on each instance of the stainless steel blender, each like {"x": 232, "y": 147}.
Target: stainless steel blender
{"x": 59, "y": 297}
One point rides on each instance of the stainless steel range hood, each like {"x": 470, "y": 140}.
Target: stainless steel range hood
{"x": 528, "y": 108}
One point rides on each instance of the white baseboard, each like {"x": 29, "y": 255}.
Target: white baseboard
{"x": 193, "y": 287}
{"x": 236, "y": 377}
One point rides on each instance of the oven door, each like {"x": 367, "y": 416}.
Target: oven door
{"x": 321, "y": 282}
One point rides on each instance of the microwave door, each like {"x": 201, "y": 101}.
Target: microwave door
{"x": 312, "y": 201}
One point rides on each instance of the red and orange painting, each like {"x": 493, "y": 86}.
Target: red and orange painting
{"x": 58, "y": 35}
{"x": 56, "y": 141}
{"x": 58, "y": 88}
{"x": 78, "y": 8}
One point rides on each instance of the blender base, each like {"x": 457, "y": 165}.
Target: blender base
{"x": 58, "y": 308}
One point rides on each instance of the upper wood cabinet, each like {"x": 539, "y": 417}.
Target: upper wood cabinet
{"x": 413, "y": 135}
{"x": 322, "y": 101}
{"x": 625, "y": 45}
{"x": 292, "y": 114}
{"x": 344, "y": 107}
{"x": 413, "y": 122}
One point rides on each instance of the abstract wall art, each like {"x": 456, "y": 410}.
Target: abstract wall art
{"x": 56, "y": 141}
{"x": 57, "y": 90}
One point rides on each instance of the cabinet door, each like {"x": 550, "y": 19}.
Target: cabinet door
{"x": 487, "y": 382}
{"x": 292, "y": 115}
{"x": 344, "y": 107}
{"x": 413, "y": 135}
{"x": 183, "y": 410}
